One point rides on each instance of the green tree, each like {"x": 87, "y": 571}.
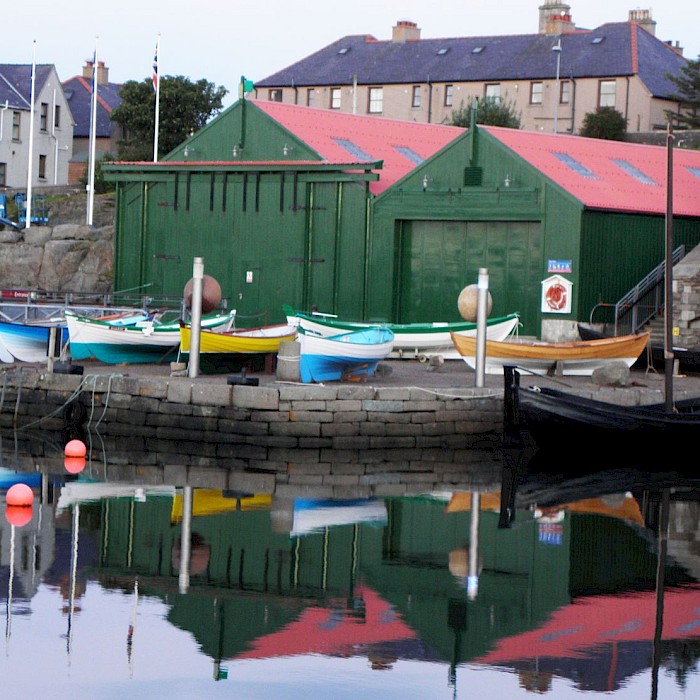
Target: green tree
{"x": 490, "y": 112}
{"x": 184, "y": 108}
{"x": 688, "y": 84}
{"x": 101, "y": 185}
{"x": 604, "y": 123}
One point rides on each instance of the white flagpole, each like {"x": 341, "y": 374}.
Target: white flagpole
{"x": 156, "y": 85}
{"x": 28, "y": 210}
{"x": 93, "y": 129}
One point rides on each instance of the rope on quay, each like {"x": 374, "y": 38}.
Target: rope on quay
{"x": 106, "y": 401}
{"x": 71, "y": 399}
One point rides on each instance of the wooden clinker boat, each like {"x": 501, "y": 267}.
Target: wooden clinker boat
{"x": 559, "y": 420}
{"x": 224, "y": 351}
{"x": 577, "y": 357}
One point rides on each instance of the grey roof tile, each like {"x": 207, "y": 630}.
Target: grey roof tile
{"x": 491, "y": 58}
{"x": 16, "y": 84}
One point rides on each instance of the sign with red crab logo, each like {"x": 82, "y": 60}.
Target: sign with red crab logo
{"x": 556, "y": 295}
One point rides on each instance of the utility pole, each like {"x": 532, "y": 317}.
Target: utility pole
{"x": 557, "y": 87}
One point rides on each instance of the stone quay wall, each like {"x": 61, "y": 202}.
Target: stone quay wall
{"x": 292, "y": 440}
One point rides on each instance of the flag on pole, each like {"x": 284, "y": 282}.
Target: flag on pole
{"x": 30, "y": 177}
{"x": 93, "y": 141}
{"x": 155, "y": 69}
{"x": 156, "y": 87}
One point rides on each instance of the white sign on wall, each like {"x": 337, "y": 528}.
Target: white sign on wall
{"x": 556, "y": 295}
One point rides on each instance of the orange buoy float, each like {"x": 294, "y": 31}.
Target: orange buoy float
{"x": 74, "y": 465}
{"x": 75, "y": 448}
{"x": 18, "y": 515}
{"x": 19, "y": 495}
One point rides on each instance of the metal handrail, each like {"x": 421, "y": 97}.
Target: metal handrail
{"x": 644, "y": 301}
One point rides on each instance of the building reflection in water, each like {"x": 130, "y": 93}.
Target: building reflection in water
{"x": 569, "y": 591}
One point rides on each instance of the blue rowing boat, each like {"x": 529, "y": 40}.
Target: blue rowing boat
{"x": 341, "y": 356}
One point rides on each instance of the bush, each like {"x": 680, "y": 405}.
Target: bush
{"x": 488, "y": 112}
{"x": 101, "y": 185}
{"x": 604, "y": 123}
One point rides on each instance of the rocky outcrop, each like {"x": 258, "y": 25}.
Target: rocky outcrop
{"x": 65, "y": 255}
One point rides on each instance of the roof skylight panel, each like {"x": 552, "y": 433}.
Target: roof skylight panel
{"x": 577, "y": 167}
{"x": 353, "y": 149}
{"x": 634, "y": 172}
{"x": 409, "y": 153}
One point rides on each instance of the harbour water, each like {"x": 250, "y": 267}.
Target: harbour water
{"x": 146, "y": 590}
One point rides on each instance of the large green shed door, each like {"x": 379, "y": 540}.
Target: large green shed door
{"x": 321, "y": 246}
{"x": 439, "y": 258}
{"x": 433, "y": 262}
{"x": 128, "y": 263}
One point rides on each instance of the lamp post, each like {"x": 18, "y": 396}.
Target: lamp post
{"x": 557, "y": 48}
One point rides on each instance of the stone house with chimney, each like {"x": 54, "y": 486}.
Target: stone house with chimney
{"x": 78, "y": 91}
{"x": 552, "y": 78}
{"x": 41, "y": 142}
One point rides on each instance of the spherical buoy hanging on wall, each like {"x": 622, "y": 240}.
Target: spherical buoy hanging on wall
{"x": 211, "y": 294}
{"x": 468, "y": 300}
{"x": 19, "y": 495}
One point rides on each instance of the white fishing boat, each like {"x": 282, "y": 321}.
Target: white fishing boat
{"x": 30, "y": 340}
{"x": 411, "y": 340}
{"x": 143, "y": 342}
{"x": 344, "y": 355}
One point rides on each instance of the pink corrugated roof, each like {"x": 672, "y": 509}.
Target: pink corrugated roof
{"x": 378, "y": 138}
{"x": 614, "y": 175}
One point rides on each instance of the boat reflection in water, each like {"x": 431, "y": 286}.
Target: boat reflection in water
{"x": 212, "y": 592}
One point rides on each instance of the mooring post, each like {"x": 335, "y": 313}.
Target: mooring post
{"x": 196, "y": 319}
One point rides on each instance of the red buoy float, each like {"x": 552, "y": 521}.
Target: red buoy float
{"x": 75, "y": 448}
{"x": 18, "y": 515}
{"x": 19, "y": 495}
{"x": 74, "y": 465}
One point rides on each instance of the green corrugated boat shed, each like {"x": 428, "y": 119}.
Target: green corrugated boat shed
{"x": 383, "y": 220}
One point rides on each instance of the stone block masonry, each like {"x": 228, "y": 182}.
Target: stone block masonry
{"x": 290, "y": 440}
{"x": 318, "y": 441}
